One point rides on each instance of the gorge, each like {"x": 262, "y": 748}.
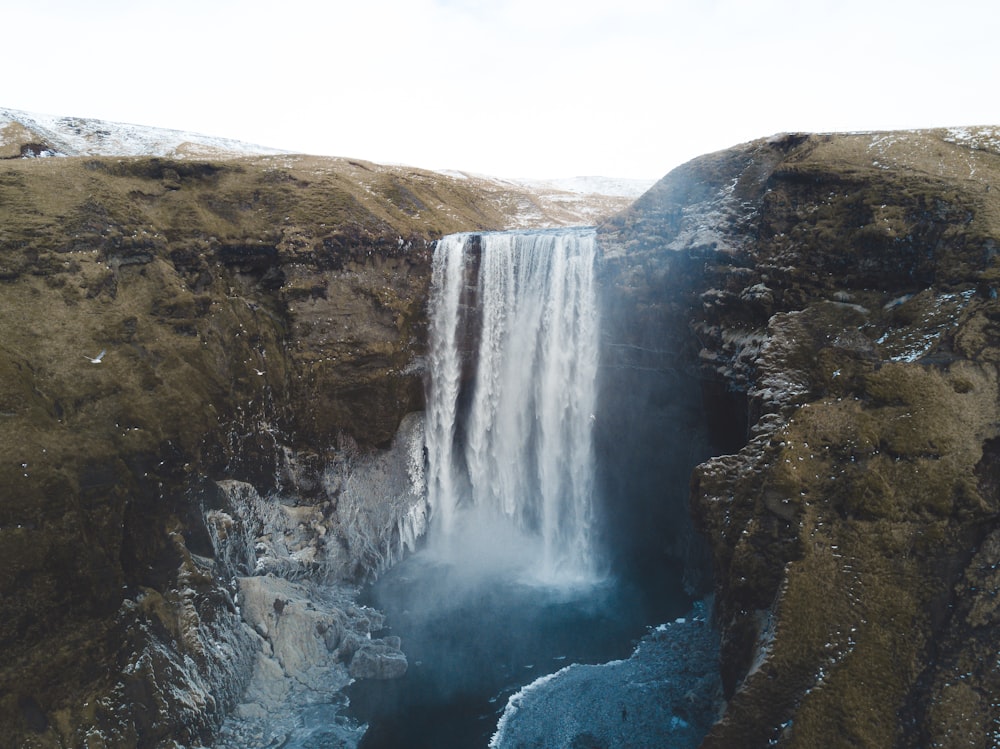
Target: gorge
{"x": 512, "y": 583}
{"x": 795, "y": 412}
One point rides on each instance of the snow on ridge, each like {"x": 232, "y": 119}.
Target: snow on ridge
{"x": 531, "y": 203}
{"x": 79, "y": 136}
{"x": 985, "y": 138}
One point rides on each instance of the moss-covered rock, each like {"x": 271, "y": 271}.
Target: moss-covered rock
{"x": 845, "y": 284}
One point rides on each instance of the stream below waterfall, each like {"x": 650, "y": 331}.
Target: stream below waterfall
{"x": 553, "y": 530}
{"x": 512, "y": 583}
{"x": 473, "y": 641}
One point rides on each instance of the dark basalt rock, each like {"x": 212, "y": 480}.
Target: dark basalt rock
{"x": 378, "y": 659}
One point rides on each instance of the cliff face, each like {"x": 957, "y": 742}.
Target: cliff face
{"x": 842, "y": 291}
{"x": 261, "y": 321}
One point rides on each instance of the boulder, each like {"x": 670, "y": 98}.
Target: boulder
{"x": 378, "y": 659}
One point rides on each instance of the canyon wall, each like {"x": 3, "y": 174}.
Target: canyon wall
{"x": 840, "y": 294}
{"x": 199, "y": 361}
{"x": 817, "y": 312}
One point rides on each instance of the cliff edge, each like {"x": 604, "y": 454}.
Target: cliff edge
{"x": 185, "y": 342}
{"x": 206, "y": 365}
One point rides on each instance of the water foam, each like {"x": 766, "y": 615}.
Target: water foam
{"x": 509, "y": 434}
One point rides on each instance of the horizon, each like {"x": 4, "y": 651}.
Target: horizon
{"x": 516, "y": 89}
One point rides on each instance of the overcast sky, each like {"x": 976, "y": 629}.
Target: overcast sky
{"x": 515, "y": 88}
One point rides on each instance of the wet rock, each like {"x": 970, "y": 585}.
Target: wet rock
{"x": 378, "y": 659}
{"x": 294, "y": 619}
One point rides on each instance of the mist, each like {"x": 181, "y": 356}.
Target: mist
{"x": 517, "y": 577}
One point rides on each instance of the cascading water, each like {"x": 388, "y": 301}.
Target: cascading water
{"x": 511, "y": 478}
{"x": 510, "y": 585}
{"x": 509, "y": 434}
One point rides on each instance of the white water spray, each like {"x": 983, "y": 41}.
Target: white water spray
{"x": 514, "y": 444}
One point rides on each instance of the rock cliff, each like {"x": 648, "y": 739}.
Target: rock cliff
{"x": 203, "y": 368}
{"x": 841, "y": 292}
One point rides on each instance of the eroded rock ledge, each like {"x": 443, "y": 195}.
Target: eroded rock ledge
{"x": 845, "y": 289}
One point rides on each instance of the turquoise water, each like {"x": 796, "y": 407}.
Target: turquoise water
{"x": 472, "y": 641}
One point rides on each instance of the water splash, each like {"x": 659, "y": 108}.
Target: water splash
{"x": 513, "y": 365}
{"x": 447, "y": 280}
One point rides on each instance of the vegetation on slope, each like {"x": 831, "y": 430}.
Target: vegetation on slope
{"x": 846, "y": 285}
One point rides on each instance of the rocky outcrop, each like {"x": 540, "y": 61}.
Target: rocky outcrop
{"x": 841, "y": 290}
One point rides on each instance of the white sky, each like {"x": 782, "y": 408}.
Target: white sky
{"x": 515, "y": 88}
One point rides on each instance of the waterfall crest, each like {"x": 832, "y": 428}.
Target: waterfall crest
{"x": 512, "y": 390}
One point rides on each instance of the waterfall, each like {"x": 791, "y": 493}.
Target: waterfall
{"x": 511, "y": 395}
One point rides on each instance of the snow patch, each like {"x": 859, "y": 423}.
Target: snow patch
{"x": 916, "y": 340}
{"x": 625, "y": 188}
{"x": 78, "y": 136}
